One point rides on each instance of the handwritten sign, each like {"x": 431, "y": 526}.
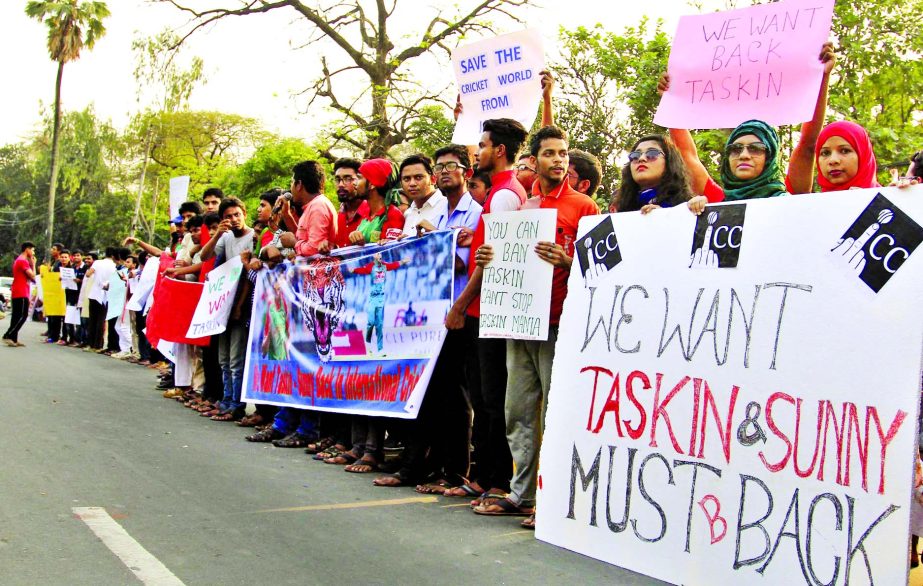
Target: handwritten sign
{"x": 758, "y": 62}
{"x": 68, "y": 279}
{"x": 217, "y": 301}
{"x": 747, "y": 426}
{"x": 498, "y": 78}
{"x": 179, "y": 191}
{"x": 145, "y": 286}
{"x": 516, "y": 290}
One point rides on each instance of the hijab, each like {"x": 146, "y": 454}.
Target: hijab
{"x": 769, "y": 183}
{"x": 859, "y": 140}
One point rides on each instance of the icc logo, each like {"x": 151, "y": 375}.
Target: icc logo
{"x": 719, "y": 233}
{"x": 598, "y": 252}
{"x": 878, "y": 243}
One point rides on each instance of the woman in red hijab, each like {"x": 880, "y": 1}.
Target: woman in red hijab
{"x": 844, "y": 157}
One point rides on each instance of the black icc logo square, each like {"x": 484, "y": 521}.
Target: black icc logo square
{"x": 719, "y": 232}
{"x": 878, "y": 242}
{"x": 598, "y": 251}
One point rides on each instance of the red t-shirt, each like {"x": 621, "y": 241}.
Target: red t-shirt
{"x": 20, "y": 287}
{"x": 571, "y": 205}
{"x": 502, "y": 180}
{"x": 345, "y": 226}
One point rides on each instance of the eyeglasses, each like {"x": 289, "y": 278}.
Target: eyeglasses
{"x": 650, "y": 154}
{"x": 524, "y": 167}
{"x": 347, "y": 179}
{"x": 735, "y": 149}
{"x": 450, "y": 167}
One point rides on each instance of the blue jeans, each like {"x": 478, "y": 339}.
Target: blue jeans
{"x": 288, "y": 418}
{"x": 232, "y": 351}
{"x": 376, "y": 322}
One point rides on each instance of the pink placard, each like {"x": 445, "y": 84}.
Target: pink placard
{"x": 759, "y": 62}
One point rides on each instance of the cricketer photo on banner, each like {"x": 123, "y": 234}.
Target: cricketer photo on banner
{"x": 356, "y": 332}
{"x": 751, "y": 424}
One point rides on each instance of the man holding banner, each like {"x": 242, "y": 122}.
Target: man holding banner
{"x": 529, "y": 361}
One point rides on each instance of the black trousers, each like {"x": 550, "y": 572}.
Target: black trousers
{"x": 54, "y": 327}
{"x": 97, "y": 324}
{"x": 18, "y": 319}
{"x": 112, "y": 336}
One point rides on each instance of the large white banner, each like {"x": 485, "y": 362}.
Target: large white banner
{"x": 498, "y": 78}
{"x": 753, "y": 423}
{"x": 179, "y": 191}
{"x": 516, "y": 289}
{"x": 214, "y": 308}
{"x": 145, "y": 285}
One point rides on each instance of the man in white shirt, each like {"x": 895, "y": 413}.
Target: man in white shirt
{"x": 418, "y": 182}
{"x": 102, "y": 270}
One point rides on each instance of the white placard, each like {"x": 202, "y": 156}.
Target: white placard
{"x": 167, "y": 349}
{"x": 214, "y": 308}
{"x": 72, "y": 315}
{"x": 498, "y": 78}
{"x": 145, "y": 285}
{"x": 179, "y": 191}
{"x": 751, "y": 424}
{"x": 516, "y": 289}
{"x": 68, "y": 279}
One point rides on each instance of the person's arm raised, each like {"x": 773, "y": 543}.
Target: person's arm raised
{"x": 547, "y": 90}
{"x": 682, "y": 139}
{"x": 208, "y": 250}
{"x": 801, "y": 165}
{"x": 151, "y": 250}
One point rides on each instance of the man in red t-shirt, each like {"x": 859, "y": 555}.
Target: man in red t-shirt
{"x": 528, "y": 361}
{"x": 23, "y": 275}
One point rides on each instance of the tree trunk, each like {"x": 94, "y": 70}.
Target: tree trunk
{"x": 147, "y": 153}
{"x": 53, "y": 182}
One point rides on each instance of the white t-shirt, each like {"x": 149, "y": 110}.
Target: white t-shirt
{"x": 230, "y": 246}
{"x": 504, "y": 200}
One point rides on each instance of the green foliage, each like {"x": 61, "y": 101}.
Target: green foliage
{"x": 431, "y": 130}
{"x": 71, "y": 26}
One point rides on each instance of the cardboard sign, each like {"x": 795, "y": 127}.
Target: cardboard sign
{"x": 115, "y": 296}
{"x": 53, "y": 301}
{"x": 516, "y": 289}
{"x": 217, "y": 301}
{"x": 747, "y": 426}
{"x": 758, "y": 62}
{"x": 179, "y": 191}
{"x": 498, "y": 78}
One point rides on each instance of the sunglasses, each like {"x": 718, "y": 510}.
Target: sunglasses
{"x": 649, "y": 154}
{"x": 735, "y": 149}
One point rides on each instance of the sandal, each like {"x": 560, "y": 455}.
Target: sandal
{"x": 503, "y": 508}
{"x": 529, "y": 523}
{"x": 437, "y": 487}
{"x": 320, "y": 446}
{"x": 251, "y": 420}
{"x": 488, "y": 498}
{"x": 343, "y": 458}
{"x": 368, "y": 463}
{"x": 392, "y": 480}
{"x": 292, "y": 440}
{"x": 265, "y": 436}
{"x": 227, "y": 416}
{"x": 331, "y": 452}
{"x": 465, "y": 491}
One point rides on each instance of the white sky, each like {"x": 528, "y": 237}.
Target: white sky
{"x": 250, "y": 63}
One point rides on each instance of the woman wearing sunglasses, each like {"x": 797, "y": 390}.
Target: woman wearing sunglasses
{"x": 654, "y": 176}
{"x": 751, "y": 165}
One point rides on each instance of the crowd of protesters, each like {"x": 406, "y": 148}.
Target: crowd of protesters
{"x": 479, "y": 429}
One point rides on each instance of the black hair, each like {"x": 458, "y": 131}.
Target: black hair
{"x": 310, "y": 174}
{"x": 26, "y": 245}
{"x": 211, "y": 218}
{"x": 142, "y": 257}
{"x": 916, "y": 165}
{"x": 194, "y": 222}
{"x": 483, "y": 177}
{"x": 416, "y": 159}
{"x": 673, "y": 189}
{"x": 78, "y": 251}
{"x": 508, "y": 132}
{"x": 271, "y": 196}
{"x": 111, "y": 251}
{"x": 64, "y": 251}
{"x": 347, "y": 163}
{"x": 190, "y": 206}
{"x": 58, "y": 245}
{"x": 213, "y": 192}
{"x": 124, "y": 253}
{"x": 587, "y": 167}
{"x": 230, "y": 202}
{"x": 457, "y": 150}
{"x": 545, "y": 133}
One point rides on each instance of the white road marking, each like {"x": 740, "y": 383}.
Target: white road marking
{"x": 146, "y": 567}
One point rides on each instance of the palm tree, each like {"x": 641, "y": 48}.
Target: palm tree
{"x": 71, "y": 27}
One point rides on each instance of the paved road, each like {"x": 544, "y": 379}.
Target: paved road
{"x": 82, "y": 430}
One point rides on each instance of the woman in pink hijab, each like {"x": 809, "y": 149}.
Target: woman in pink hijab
{"x": 844, "y": 157}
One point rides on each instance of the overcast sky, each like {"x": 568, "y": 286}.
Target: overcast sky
{"x": 251, "y": 65}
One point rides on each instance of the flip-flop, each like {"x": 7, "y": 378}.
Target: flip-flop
{"x": 372, "y": 466}
{"x": 438, "y": 487}
{"x": 507, "y": 508}
{"x": 466, "y": 488}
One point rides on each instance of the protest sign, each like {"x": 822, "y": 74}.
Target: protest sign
{"x": 516, "y": 288}
{"x": 68, "y": 279}
{"x": 115, "y": 296}
{"x": 72, "y": 315}
{"x": 179, "y": 191}
{"x": 498, "y": 78}
{"x": 356, "y": 333}
{"x": 83, "y": 301}
{"x": 145, "y": 285}
{"x": 172, "y": 304}
{"x": 53, "y": 302}
{"x": 748, "y": 424}
{"x": 217, "y": 301}
{"x": 758, "y": 62}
